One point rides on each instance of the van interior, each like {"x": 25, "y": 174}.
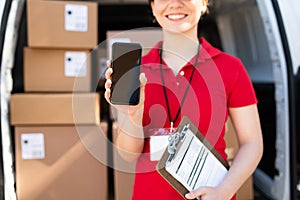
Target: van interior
{"x": 234, "y": 26}
{"x": 242, "y": 33}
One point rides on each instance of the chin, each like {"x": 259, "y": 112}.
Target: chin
{"x": 178, "y": 30}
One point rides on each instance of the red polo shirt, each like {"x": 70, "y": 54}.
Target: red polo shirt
{"x": 220, "y": 81}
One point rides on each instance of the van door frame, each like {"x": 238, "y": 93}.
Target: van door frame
{"x": 4, "y": 13}
{"x": 292, "y": 98}
{"x": 284, "y": 183}
{"x": 14, "y": 13}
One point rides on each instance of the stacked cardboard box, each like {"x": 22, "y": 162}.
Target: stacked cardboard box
{"x": 56, "y": 70}
{"x": 62, "y": 24}
{"x": 147, "y": 37}
{"x": 61, "y": 35}
{"x": 124, "y": 172}
{"x": 60, "y": 145}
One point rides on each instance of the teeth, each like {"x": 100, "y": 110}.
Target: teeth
{"x": 177, "y": 16}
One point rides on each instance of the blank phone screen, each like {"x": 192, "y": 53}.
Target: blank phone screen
{"x": 126, "y": 62}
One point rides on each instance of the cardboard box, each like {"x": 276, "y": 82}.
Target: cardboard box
{"x": 231, "y": 141}
{"x": 98, "y": 78}
{"x": 147, "y": 37}
{"x": 124, "y": 173}
{"x": 246, "y": 192}
{"x": 58, "y": 162}
{"x": 53, "y": 70}
{"x": 55, "y": 109}
{"x": 124, "y": 182}
{"x": 62, "y": 24}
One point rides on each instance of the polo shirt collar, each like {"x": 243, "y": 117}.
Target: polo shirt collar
{"x": 207, "y": 52}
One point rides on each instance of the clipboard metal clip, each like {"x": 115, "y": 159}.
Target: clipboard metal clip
{"x": 173, "y": 141}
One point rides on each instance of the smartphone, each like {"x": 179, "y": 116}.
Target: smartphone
{"x": 126, "y": 61}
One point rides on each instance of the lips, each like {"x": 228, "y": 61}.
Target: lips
{"x": 176, "y": 17}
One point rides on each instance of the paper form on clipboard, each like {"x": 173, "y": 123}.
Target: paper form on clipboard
{"x": 190, "y": 161}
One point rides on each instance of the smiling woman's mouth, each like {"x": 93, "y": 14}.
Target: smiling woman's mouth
{"x": 176, "y": 16}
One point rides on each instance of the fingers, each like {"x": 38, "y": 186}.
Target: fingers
{"x": 108, "y": 63}
{"x": 109, "y": 70}
{"x": 108, "y": 73}
{"x": 107, "y": 95}
{"x": 107, "y": 85}
{"x": 107, "y": 90}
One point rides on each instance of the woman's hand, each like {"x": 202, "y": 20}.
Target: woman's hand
{"x": 207, "y": 193}
{"x": 133, "y": 111}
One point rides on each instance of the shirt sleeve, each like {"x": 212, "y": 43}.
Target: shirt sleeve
{"x": 241, "y": 90}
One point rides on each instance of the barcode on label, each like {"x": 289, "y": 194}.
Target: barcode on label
{"x": 32, "y": 146}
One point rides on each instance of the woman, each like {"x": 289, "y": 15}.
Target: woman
{"x": 185, "y": 76}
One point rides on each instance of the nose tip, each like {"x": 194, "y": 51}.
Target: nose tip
{"x": 176, "y": 3}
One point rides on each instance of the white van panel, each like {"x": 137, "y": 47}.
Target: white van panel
{"x": 291, "y": 19}
{"x": 281, "y": 189}
{"x": 242, "y": 35}
{"x": 2, "y": 4}
{"x": 249, "y": 30}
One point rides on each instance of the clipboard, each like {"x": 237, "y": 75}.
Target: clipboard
{"x": 186, "y": 127}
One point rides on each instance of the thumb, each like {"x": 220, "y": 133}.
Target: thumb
{"x": 195, "y": 193}
{"x": 143, "y": 81}
{"x": 190, "y": 195}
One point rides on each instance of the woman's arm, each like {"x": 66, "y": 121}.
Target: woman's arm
{"x": 130, "y": 137}
{"x": 247, "y": 126}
